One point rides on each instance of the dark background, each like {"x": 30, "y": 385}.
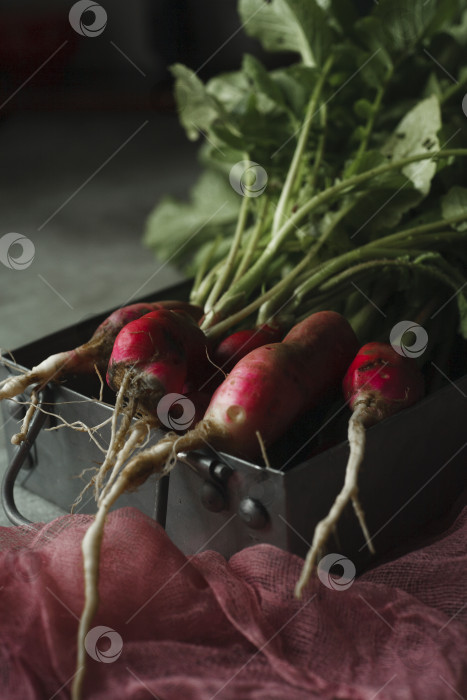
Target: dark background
{"x": 89, "y": 142}
{"x": 89, "y": 72}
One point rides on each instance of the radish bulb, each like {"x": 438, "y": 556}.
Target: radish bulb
{"x": 379, "y": 383}
{"x": 237, "y": 345}
{"x": 152, "y": 356}
{"x": 95, "y": 353}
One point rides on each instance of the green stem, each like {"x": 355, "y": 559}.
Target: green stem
{"x": 432, "y": 240}
{"x": 432, "y": 271}
{"x": 252, "y": 242}
{"x": 313, "y": 281}
{"x": 243, "y": 287}
{"x": 201, "y": 272}
{"x": 342, "y": 262}
{"x": 361, "y": 269}
{"x": 206, "y": 285}
{"x": 335, "y": 221}
{"x": 281, "y": 210}
{"x": 320, "y": 148}
{"x": 282, "y": 286}
{"x": 318, "y": 279}
{"x": 453, "y": 90}
{"x": 229, "y": 263}
{"x": 368, "y": 129}
{"x": 424, "y": 228}
{"x": 275, "y": 301}
{"x": 333, "y": 287}
{"x": 354, "y": 181}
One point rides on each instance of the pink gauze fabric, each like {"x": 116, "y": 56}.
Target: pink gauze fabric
{"x": 202, "y": 628}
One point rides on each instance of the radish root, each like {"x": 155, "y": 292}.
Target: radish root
{"x": 349, "y": 492}
{"x": 262, "y": 446}
{"x": 118, "y": 433}
{"x": 160, "y": 459}
{"x": 42, "y": 374}
{"x": 139, "y": 433}
{"x": 155, "y": 458}
{"x": 86, "y": 488}
{"x": 80, "y": 427}
{"x": 19, "y": 437}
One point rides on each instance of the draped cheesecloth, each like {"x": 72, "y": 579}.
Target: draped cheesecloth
{"x": 199, "y": 628}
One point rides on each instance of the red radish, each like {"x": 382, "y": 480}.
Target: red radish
{"x": 94, "y": 353}
{"x": 152, "y": 351}
{"x": 235, "y": 346}
{"x": 151, "y": 357}
{"x": 265, "y": 392}
{"x": 379, "y": 383}
{"x": 156, "y": 354}
{"x": 382, "y": 382}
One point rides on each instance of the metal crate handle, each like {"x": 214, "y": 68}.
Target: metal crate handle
{"x": 19, "y": 457}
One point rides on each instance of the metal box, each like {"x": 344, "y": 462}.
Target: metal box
{"x": 414, "y": 468}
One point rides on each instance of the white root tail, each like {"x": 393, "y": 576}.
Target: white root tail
{"x": 159, "y": 459}
{"x": 118, "y": 433}
{"x": 156, "y": 458}
{"x": 80, "y": 427}
{"x": 91, "y": 548}
{"x": 47, "y": 370}
{"x": 138, "y": 434}
{"x": 19, "y": 437}
{"x": 349, "y": 492}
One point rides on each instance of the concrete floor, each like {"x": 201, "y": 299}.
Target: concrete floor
{"x": 80, "y": 187}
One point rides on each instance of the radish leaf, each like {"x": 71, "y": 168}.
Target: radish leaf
{"x": 417, "y": 133}
{"x": 405, "y": 24}
{"x": 289, "y": 25}
{"x": 197, "y": 109}
{"x": 177, "y": 229}
{"x": 454, "y": 203}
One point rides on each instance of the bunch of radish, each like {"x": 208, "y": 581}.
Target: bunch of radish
{"x": 262, "y": 396}
{"x": 163, "y": 352}
{"x": 151, "y": 350}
